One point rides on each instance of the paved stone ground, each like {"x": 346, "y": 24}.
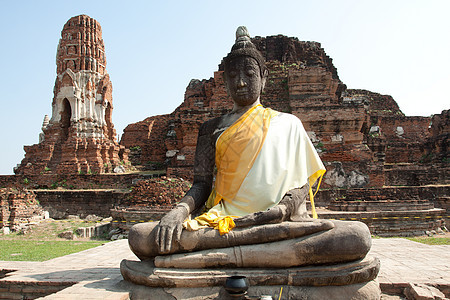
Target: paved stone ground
{"x": 95, "y": 270}
{"x": 97, "y": 273}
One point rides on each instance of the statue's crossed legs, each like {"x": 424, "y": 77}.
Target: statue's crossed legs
{"x": 286, "y": 244}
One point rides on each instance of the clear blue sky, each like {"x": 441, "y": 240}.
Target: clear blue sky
{"x": 154, "y": 48}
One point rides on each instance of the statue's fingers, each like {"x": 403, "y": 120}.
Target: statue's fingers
{"x": 168, "y": 240}
{"x": 158, "y": 230}
{"x": 327, "y": 224}
{"x": 178, "y": 231}
{"x": 162, "y": 239}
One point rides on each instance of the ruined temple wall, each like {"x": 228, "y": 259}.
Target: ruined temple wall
{"x": 436, "y": 148}
{"x": 411, "y": 128}
{"x": 18, "y": 206}
{"x": 302, "y": 81}
{"x": 72, "y": 181}
{"x": 276, "y": 92}
{"x": 288, "y": 49}
{"x": 440, "y": 123}
{"x": 403, "y": 152}
{"x": 350, "y": 166}
{"x": 404, "y": 137}
{"x": 417, "y": 174}
{"x": 381, "y": 104}
{"x": 152, "y": 144}
{"x": 430, "y": 193}
{"x": 80, "y": 203}
{"x": 334, "y": 123}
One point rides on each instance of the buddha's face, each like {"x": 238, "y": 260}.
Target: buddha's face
{"x": 244, "y": 81}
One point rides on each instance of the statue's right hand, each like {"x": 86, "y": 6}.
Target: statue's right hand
{"x": 170, "y": 228}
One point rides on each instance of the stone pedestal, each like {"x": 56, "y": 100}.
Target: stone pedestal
{"x": 354, "y": 280}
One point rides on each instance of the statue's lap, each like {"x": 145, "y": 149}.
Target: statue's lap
{"x": 304, "y": 243}
{"x": 340, "y": 252}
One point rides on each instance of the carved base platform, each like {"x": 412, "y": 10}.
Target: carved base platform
{"x": 354, "y": 280}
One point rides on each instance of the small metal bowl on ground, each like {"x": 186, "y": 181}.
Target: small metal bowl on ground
{"x": 236, "y": 286}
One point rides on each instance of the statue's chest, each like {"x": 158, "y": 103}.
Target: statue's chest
{"x": 225, "y": 122}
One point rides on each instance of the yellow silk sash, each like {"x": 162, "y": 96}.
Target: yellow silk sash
{"x": 311, "y": 180}
{"x": 237, "y": 149}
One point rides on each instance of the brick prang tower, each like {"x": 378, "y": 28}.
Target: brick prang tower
{"x": 79, "y": 136}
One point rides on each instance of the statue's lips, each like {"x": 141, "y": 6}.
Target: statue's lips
{"x": 242, "y": 92}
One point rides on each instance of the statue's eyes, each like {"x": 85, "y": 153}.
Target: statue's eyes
{"x": 250, "y": 71}
{"x": 232, "y": 74}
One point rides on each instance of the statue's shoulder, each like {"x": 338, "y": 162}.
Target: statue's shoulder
{"x": 288, "y": 124}
{"x": 291, "y": 119}
{"x": 209, "y": 126}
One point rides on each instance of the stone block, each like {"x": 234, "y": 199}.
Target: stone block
{"x": 68, "y": 235}
{"x": 417, "y": 291}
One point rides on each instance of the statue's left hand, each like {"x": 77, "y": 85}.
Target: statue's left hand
{"x": 170, "y": 228}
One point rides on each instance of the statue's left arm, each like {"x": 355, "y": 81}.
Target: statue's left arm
{"x": 291, "y": 208}
{"x": 170, "y": 226}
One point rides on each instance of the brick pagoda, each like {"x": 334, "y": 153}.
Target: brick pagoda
{"x": 80, "y": 136}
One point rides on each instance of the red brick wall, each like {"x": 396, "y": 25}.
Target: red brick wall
{"x": 69, "y": 181}
{"x": 17, "y": 206}
{"x": 61, "y": 204}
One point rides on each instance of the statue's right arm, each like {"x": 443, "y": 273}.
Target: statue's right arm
{"x": 292, "y": 207}
{"x": 171, "y": 225}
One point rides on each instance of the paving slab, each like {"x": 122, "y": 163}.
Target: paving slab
{"x": 96, "y": 275}
{"x": 403, "y": 261}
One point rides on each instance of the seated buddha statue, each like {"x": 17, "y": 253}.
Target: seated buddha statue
{"x": 253, "y": 173}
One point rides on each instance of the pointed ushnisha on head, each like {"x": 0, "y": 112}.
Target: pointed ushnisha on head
{"x": 242, "y": 37}
{"x": 243, "y": 46}
{"x": 241, "y": 31}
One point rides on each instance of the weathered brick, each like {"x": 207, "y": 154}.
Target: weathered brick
{"x": 80, "y": 136}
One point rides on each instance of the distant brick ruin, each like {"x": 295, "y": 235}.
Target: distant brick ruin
{"x": 18, "y": 207}
{"x": 356, "y": 132}
{"x": 80, "y": 136}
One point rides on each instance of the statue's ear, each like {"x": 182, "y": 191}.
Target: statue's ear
{"x": 264, "y": 79}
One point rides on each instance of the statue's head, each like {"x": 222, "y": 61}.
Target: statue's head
{"x": 245, "y": 70}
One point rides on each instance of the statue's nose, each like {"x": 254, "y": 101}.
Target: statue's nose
{"x": 241, "y": 82}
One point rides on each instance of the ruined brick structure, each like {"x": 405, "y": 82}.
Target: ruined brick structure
{"x": 302, "y": 81}
{"x": 18, "y": 207}
{"x": 356, "y": 132}
{"x": 394, "y": 137}
{"x": 436, "y": 147}
{"x": 80, "y": 136}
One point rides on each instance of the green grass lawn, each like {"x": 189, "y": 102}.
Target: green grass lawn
{"x": 431, "y": 240}
{"x": 32, "y": 250}
{"x": 428, "y": 240}
{"x": 41, "y": 241}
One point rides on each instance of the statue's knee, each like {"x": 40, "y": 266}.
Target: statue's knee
{"x": 139, "y": 239}
{"x": 134, "y": 234}
{"x": 134, "y": 237}
{"x": 353, "y": 237}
